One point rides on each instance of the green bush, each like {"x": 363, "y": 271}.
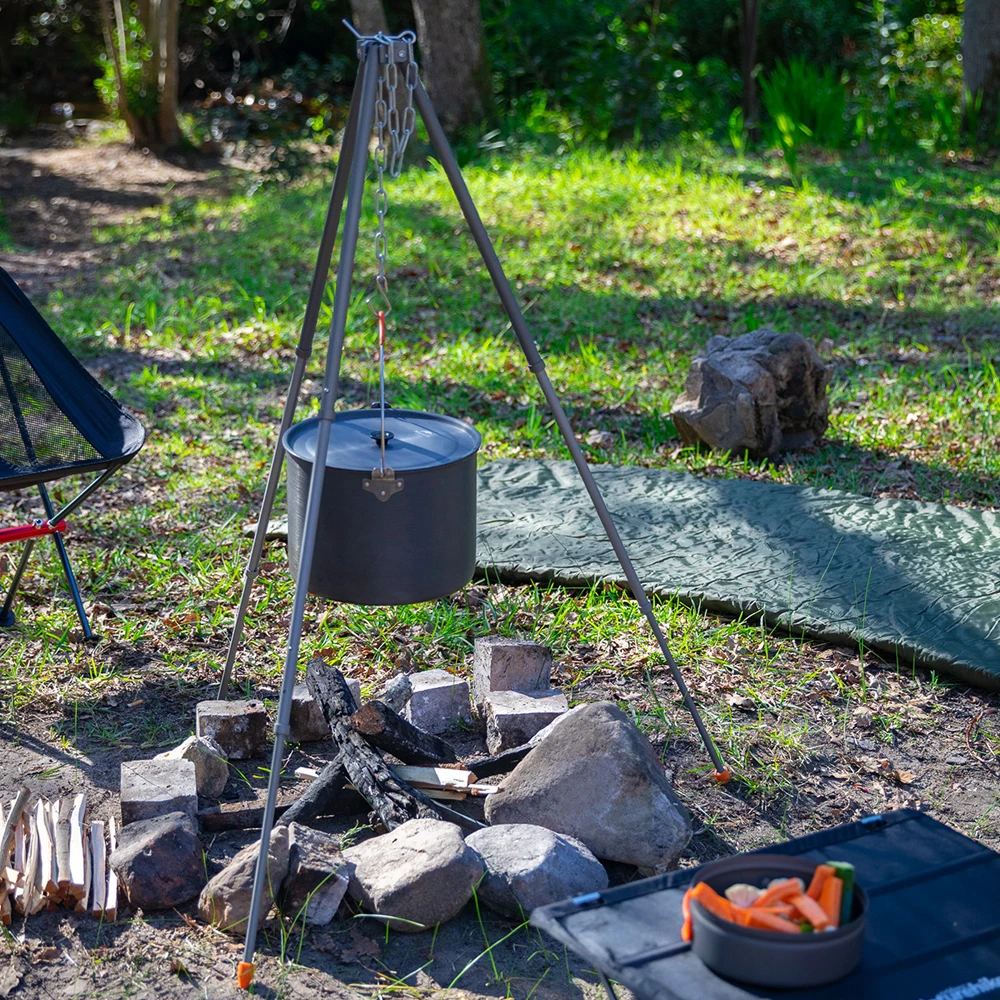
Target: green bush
{"x": 805, "y": 102}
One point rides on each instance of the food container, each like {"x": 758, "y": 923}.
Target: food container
{"x": 769, "y": 958}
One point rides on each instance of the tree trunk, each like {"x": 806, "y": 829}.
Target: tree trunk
{"x": 748, "y": 51}
{"x": 981, "y": 59}
{"x": 158, "y": 129}
{"x": 369, "y": 16}
{"x": 455, "y": 68}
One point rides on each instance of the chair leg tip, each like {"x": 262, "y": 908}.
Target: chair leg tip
{"x": 8, "y": 619}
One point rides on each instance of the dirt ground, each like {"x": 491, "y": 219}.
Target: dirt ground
{"x": 53, "y": 194}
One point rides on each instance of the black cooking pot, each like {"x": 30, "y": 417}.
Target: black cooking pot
{"x": 402, "y": 538}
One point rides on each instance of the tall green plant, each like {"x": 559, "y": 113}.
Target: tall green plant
{"x": 804, "y": 102}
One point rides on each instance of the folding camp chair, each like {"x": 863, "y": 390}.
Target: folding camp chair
{"x": 55, "y": 421}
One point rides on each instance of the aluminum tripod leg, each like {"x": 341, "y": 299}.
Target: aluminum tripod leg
{"x": 331, "y": 383}
{"x": 67, "y": 567}
{"x": 302, "y": 353}
{"x": 537, "y": 366}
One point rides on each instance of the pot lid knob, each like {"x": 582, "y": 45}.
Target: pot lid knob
{"x": 376, "y": 436}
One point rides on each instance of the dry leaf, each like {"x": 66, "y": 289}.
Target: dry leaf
{"x": 863, "y": 717}
{"x": 903, "y": 777}
{"x": 742, "y": 703}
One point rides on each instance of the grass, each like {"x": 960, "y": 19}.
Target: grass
{"x": 625, "y": 264}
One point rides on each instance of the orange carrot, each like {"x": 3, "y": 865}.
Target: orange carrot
{"x": 811, "y": 911}
{"x": 778, "y": 892}
{"x": 686, "y": 932}
{"x": 779, "y": 909}
{"x": 822, "y": 873}
{"x": 765, "y": 921}
{"x": 830, "y": 900}
{"x": 713, "y": 902}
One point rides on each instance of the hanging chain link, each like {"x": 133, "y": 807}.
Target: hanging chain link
{"x": 389, "y": 149}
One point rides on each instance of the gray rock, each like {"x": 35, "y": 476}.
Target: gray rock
{"x": 514, "y": 717}
{"x": 149, "y": 788}
{"x": 762, "y": 393}
{"x": 422, "y": 873}
{"x": 307, "y": 723}
{"x": 502, "y": 664}
{"x": 529, "y": 866}
{"x": 397, "y": 692}
{"x": 211, "y": 772}
{"x": 159, "y": 861}
{"x": 225, "y": 901}
{"x": 239, "y": 727}
{"x": 316, "y": 883}
{"x": 439, "y": 701}
{"x": 596, "y": 778}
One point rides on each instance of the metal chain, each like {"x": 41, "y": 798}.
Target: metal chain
{"x": 390, "y": 156}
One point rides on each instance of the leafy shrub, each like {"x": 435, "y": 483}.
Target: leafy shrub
{"x": 907, "y": 81}
{"x": 805, "y": 103}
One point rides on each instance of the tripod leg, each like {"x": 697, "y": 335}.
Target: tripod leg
{"x": 537, "y": 366}
{"x": 331, "y": 384}
{"x": 6, "y": 614}
{"x": 302, "y": 353}
{"x": 67, "y": 568}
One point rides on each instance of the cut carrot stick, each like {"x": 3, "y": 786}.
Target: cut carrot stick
{"x": 830, "y": 900}
{"x": 686, "y": 933}
{"x": 765, "y": 921}
{"x": 822, "y": 873}
{"x": 713, "y": 902}
{"x": 779, "y": 909}
{"x": 779, "y": 892}
{"x": 811, "y": 911}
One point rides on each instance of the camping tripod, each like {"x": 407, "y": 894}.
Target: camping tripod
{"x": 373, "y": 53}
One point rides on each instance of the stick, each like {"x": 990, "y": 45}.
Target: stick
{"x": 31, "y": 901}
{"x": 97, "y": 854}
{"x": 383, "y": 728}
{"x": 46, "y": 848}
{"x": 502, "y": 762}
{"x": 64, "y": 878}
{"x": 10, "y": 823}
{"x": 319, "y": 797}
{"x": 77, "y": 854}
{"x": 111, "y": 895}
{"x": 81, "y": 903}
{"x": 393, "y": 801}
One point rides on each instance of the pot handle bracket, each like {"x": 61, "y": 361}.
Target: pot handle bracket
{"x": 383, "y": 484}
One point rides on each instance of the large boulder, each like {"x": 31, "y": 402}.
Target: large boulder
{"x": 225, "y": 901}
{"x": 529, "y": 866}
{"x": 159, "y": 861}
{"x": 762, "y": 393}
{"x": 596, "y": 778}
{"x": 422, "y": 873}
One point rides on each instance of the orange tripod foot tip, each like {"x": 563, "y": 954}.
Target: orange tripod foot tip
{"x": 722, "y": 777}
{"x": 244, "y": 974}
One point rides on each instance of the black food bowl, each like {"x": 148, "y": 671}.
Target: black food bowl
{"x": 770, "y": 958}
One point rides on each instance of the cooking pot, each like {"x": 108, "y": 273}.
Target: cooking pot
{"x": 397, "y": 531}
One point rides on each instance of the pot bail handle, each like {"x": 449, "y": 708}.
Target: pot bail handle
{"x": 381, "y": 380}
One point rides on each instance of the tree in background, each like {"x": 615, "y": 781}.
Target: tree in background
{"x": 143, "y": 54}
{"x": 369, "y": 16}
{"x": 454, "y": 65}
{"x": 749, "y": 25}
{"x": 981, "y": 62}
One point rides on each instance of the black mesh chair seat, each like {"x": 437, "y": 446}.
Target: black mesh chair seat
{"x": 56, "y": 420}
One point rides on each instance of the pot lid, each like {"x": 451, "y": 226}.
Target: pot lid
{"x": 414, "y": 440}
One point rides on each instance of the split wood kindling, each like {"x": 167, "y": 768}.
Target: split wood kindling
{"x": 50, "y": 859}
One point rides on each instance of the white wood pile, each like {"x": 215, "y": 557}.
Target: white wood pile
{"x": 51, "y": 858}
